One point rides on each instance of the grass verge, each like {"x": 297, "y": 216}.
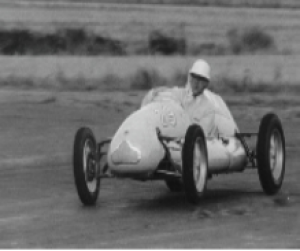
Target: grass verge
{"x": 79, "y": 41}
{"x": 143, "y": 79}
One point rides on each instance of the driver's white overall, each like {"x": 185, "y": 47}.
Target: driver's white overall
{"x": 208, "y": 109}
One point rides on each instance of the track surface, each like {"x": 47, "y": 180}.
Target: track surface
{"x": 40, "y": 207}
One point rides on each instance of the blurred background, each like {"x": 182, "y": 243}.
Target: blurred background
{"x": 136, "y": 44}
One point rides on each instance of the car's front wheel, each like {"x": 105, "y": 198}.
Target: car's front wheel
{"x": 270, "y": 152}
{"x": 85, "y": 166}
{"x": 194, "y": 164}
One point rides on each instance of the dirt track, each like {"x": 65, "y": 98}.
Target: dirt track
{"x": 40, "y": 207}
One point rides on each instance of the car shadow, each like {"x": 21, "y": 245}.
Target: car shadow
{"x": 228, "y": 198}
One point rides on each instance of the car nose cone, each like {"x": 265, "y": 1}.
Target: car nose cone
{"x": 126, "y": 153}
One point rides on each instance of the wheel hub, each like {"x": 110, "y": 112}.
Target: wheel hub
{"x": 91, "y": 168}
{"x": 276, "y": 155}
{"x": 199, "y": 166}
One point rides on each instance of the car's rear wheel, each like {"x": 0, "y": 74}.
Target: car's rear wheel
{"x": 175, "y": 185}
{"x": 270, "y": 151}
{"x": 86, "y": 169}
{"x": 194, "y": 164}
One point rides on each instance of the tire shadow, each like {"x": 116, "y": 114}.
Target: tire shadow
{"x": 213, "y": 201}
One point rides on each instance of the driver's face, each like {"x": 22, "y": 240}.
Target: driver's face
{"x": 198, "y": 84}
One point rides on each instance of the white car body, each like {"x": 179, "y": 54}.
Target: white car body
{"x": 137, "y": 149}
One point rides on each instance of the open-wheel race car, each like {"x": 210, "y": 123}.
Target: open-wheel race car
{"x": 159, "y": 141}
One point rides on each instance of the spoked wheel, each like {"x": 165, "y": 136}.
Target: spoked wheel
{"x": 86, "y": 169}
{"x": 270, "y": 152}
{"x": 194, "y": 164}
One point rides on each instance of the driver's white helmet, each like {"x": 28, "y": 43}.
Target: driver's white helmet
{"x": 201, "y": 68}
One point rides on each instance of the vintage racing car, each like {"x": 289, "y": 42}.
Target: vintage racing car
{"x": 159, "y": 141}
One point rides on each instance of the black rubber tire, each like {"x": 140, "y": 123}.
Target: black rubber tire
{"x": 193, "y": 134}
{"x": 270, "y": 125}
{"x": 86, "y": 196}
{"x": 175, "y": 185}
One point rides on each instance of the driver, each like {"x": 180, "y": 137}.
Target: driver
{"x": 202, "y": 105}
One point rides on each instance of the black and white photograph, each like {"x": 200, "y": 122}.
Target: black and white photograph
{"x": 149, "y": 124}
